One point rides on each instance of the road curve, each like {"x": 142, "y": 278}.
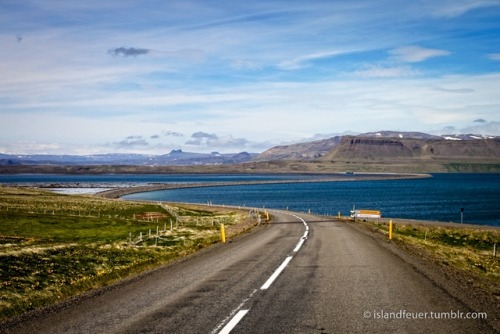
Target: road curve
{"x": 300, "y": 274}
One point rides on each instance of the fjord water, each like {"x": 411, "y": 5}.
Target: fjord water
{"x": 439, "y": 198}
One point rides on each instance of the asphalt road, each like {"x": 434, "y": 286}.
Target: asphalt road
{"x": 301, "y": 274}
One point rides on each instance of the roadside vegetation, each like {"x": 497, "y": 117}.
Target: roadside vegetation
{"x": 466, "y": 249}
{"x": 55, "y": 246}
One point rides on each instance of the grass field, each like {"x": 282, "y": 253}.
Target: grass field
{"x": 466, "y": 249}
{"x": 55, "y": 246}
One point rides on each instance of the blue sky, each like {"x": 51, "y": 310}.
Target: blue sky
{"x": 150, "y": 76}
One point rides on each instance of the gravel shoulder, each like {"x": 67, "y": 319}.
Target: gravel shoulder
{"x": 462, "y": 286}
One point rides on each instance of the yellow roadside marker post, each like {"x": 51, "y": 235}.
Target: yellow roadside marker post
{"x": 390, "y": 229}
{"x": 222, "y": 233}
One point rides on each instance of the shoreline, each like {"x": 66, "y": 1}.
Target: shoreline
{"x": 112, "y": 190}
{"x": 120, "y": 192}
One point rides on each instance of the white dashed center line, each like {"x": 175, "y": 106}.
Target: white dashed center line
{"x": 241, "y": 313}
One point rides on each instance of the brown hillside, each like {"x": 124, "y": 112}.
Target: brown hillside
{"x": 371, "y": 148}
{"x": 302, "y": 151}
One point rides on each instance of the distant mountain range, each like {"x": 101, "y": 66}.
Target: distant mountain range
{"x": 375, "y": 151}
{"x": 174, "y": 158}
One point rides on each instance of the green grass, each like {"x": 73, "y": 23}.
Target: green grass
{"x": 466, "y": 249}
{"x": 67, "y": 229}
{"x": 55, "y": 246}
{"x": 37, "y": 278}
{"x": 55, "y": 217}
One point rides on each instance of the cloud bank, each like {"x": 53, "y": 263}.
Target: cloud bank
{"x": 234, "y": 76}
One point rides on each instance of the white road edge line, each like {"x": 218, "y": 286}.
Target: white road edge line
{"x": 304, "y": 237}
{"x": 301, "y": 242}
{"x": 231, "y": 324}
{"x": 276, "y": 273}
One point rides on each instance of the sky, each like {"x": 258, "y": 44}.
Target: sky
{"x": 89, "y": 77}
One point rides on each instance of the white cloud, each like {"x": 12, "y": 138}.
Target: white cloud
{"x": 380, "y": 71}
{"x": 271, "y": 71}
{"x": 455, "y": 8}
{"x": 212, "y": 141}
{"x": 302, "y": 61}
{"x": 416, "y": 54}
{"x": 483, "y": 128}
{"x": 246, "y": 64}
{"x": 494, "y": 56}
{"x": 455, "y": 90}
{"x": 172, "y": 133}
{"x": 132, "y": 142}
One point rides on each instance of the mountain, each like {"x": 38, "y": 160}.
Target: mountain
{"x": 302, "y": 151}
{"x": 391, "y": 151}
{"x": 421, "y": 135}
{"x": 372, "y": 148}
{"x": 397, "y": 134}
{"x": 383, "y": 151}
{"x": 174, "y": 158}
{"x": 385, "y": 142}
{"x": 316, "y": 149}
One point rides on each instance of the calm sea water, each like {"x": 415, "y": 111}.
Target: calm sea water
{"x": 438, "y": 198}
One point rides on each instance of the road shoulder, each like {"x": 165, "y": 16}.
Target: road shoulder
{"x": 460, "y": 285}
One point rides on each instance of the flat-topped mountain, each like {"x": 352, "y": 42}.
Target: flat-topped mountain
{"x": 380, "y": 148}
{"x": 390, "y": 151}
{"x": 384, "y": 144}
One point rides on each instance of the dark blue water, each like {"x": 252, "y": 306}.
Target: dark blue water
{"x": 438, "y": 198}
{"x": 140, "y": 178}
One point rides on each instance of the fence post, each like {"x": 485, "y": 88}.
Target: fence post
{"x": 157, "y": 236}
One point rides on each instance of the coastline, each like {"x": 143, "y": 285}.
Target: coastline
{"x": 119, "y": 192}
{"x": 117, "y": 186}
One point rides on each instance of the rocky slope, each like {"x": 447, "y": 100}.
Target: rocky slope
{"x": 301, "y": 151}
